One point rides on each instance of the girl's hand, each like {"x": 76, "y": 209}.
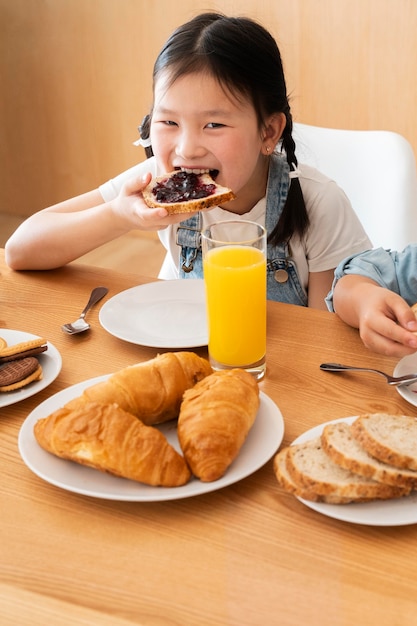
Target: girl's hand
{"x": 131, "y": 207}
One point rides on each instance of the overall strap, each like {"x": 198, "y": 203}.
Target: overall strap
{"x": 189, "y": 240}
{"x": 283, "y": 282}
{"x": 277, "y": 192}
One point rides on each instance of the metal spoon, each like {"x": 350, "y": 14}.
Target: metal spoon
{"x": 391, "y": 380}
{"x": 80, "y": 325}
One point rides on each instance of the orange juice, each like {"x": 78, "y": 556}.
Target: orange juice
{"x": 235, "y": 278}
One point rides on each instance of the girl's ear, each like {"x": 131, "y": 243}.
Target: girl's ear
{"x": 272, "y": 132}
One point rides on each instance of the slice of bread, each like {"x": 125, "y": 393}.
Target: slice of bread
{"x": 183, "y": 190}
{"x": 309, "y": 465}
{"x": 344, "y": 450}
{"x": 288, "y": 484}
{"x": 391, "y": 439}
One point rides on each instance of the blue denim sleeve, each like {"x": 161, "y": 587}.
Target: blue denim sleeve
{"x": 393, "y": 270}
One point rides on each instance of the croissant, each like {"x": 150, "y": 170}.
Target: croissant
{"x": 151, "y": 390}
{"x": 109, "y": 439}
{"x": 215, "y": 418}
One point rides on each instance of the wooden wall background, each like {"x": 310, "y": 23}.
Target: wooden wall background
{"x": 75, "y": 79}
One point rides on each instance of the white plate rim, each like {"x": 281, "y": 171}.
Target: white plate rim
{"x": 406, "y": 365}
{"x": 264, "y": 438}
{"x": 398, "y": 512}
{"x": 50, "y": 360}
{"x": 164, "y": 295}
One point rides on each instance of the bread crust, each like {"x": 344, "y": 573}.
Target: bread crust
{"x": 344, "y": 450}
{"x": 288, "y": 484}
{"x": 309, "y": 465}
{"x": 221, "y": 195}
{"x": 391, "y": 439}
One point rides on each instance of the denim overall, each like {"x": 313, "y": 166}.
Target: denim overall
{"x": 283, "y": 284}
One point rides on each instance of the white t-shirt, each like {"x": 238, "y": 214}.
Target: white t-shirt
{"x": 335, "y": 231}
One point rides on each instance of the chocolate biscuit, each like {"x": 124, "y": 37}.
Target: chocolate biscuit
{"x": 22, "y": 349}
{"x": 22, "y": 355}
{"x": 17, "y": 374}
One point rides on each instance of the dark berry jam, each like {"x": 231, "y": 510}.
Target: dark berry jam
{"x": 181, "y": 187}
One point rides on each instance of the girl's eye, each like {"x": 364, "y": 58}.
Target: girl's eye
{"x": 169, "y": 123}
{"x": 215, "y": 125}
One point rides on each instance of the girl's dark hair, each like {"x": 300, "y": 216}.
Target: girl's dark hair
{"x": 244, "y": 57}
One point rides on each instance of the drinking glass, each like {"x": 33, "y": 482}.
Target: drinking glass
{"x": 234, "y": 265}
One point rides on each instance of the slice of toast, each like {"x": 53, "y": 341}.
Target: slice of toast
{"x": 391, "y": 439}
{"x": 181, "y": 192}
{"x": 309, "y": 465}
{"x": 306, "y": 493}
{"x": 344, "y": 450}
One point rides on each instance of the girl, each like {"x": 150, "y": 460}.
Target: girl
{"x": 220, "y": 105}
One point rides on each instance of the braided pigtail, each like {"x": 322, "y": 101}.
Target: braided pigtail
{"x": 145, "y": 140}
{"x": 294, "y": 218}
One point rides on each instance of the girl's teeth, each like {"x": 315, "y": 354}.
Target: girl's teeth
{"x": 188, "y": 170}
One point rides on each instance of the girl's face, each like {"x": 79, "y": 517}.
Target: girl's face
{"x": 198, "y": 126}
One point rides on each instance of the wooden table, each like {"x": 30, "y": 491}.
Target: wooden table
{"x": 246, "y": 555}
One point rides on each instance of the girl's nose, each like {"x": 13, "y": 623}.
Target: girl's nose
{"x": 189, "y": 146}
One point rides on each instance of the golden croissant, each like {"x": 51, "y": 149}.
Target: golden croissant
{"x": 151, "y": 390}
{"x": 108, "y": 438}
{"x": 215, "y": 418}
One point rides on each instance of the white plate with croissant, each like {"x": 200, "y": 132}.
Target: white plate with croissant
{"x": 163, "y": 314}
{"x": 261, "y": 443}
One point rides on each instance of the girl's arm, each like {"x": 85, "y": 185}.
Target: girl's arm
{"x": 65, "y": 231}
{"x": 386, "y": 323}
{"x": 319, "y": 285}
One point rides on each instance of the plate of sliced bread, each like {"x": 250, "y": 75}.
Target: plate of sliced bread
{"x": 360, "y": 469}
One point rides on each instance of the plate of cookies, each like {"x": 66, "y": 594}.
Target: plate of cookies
{"x": 28, "y": 364}
{"x": 127, "y": 437}
{"x": 360, "y": 469}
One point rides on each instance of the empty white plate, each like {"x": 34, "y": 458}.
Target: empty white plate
{"x": 163, "y": 314}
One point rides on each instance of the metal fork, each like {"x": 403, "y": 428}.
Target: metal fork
{"x": 391, "y": 380}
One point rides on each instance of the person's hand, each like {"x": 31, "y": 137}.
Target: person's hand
{"x": 386, "y": 322}
{"x": 130, "y": 207}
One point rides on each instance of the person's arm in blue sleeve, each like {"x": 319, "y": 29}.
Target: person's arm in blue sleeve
{"x": 373, "y": 291}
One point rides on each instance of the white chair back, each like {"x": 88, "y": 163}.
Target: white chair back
{"x": 377, "y": 171}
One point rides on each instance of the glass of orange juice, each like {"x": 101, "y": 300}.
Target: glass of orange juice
{"x": 234, "y": 265}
